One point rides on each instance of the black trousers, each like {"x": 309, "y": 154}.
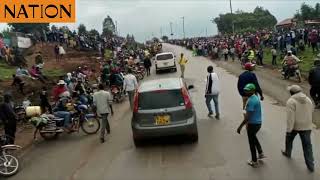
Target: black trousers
{"x": 315, "y": 94}
{"x": 10, "y": 131}
{"x": 46, "y": 106}
{"x": 254, "y": 143}
{"x": 274, "y": 60}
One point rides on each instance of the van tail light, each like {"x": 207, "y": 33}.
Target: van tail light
{"x": 186, "y": 97}
{"x": 136, "y": 103}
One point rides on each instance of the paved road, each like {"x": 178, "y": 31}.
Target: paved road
{"x": 220, "y": 154}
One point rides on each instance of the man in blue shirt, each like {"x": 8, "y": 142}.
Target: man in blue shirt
{"x": 248, "y": 77}
{"x": 253, "y": 120}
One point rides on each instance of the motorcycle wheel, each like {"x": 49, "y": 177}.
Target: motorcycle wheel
{"x": 9, "y": 167}
{"x": 90, "y": 125}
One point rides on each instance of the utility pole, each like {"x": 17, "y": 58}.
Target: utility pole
{"x": 161, "y": 32}
{"x": 232, "y": 14}
{"x": 184, "y": 34}
{"x": 171, "y": 30}
{"x": 116, "y": 28}
{"x": 206, "y": 32}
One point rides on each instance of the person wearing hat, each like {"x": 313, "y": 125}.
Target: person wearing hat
{"x": 58, "y": 90}
{"x": 9, "y": 118}
{"x": 253, "y": 121}
{"x": 290, "y": 61}
{"x": 314, "y": 81}
{"x": 299, "y": 121}
{"x": 248, "y": 77}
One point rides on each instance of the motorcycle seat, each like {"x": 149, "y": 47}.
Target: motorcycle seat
{"x": 58, "y": 119}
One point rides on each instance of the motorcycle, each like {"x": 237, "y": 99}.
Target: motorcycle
{"x": 117, "y": 93}
{"x": 50, "y": 126}
{"x": 9, "y": 164}
{"x": 292, "y": 71}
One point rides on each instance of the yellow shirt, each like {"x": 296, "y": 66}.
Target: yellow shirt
{"x": 183, "y": 61}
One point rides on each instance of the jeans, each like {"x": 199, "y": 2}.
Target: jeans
{"x": 305, "y": 137}
{"x": 252, "y": 130}
{"x": 131, "y": 96}
{"x": 83, "y": 98}
{"x": 65, "y": 115}
{"x": 105, "y": 125}
{"x": 215, "y": 99}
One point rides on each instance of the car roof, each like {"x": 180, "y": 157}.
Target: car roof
{"x": 164, "y": 53}
{"x": 161, "y": 84}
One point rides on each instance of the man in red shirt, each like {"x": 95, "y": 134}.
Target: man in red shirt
{"x": 59, "y": 90}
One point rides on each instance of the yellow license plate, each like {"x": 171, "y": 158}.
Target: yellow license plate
{"x": 162, "y": 120}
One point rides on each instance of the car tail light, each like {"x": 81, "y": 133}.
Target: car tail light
{"x": 186, "y": 97}
{"x": 136, "y": 102}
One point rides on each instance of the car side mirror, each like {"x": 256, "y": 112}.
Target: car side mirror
{"x": 190, "y": 87}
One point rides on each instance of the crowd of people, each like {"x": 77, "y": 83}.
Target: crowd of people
{"x": 232, "y": 46}
{"x": 120, "y": 63}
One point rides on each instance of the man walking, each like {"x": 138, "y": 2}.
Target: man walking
{"x": 253, "y": 120}
{"x": 248, "y": 77}
{"x": 102, "y": 101}
{"x": 299, "y": 121}
{"x": 314, "y": 81}
{"x": 9, "y": 118}
{"x": 147, "y": 64}
{"x": 130, "y": 84}
{"x": 183, "y": 61}
{"x": 212, "y": 92}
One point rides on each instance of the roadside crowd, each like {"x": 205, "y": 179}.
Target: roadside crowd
{"x": 233, "y": 46}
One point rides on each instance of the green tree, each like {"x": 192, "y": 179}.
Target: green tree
{"x": 54, "y": 28}
{"x": 6, "y": 33}
{"x": 82, "y": 30}
{"x": 260, "y": 18}
{"x": 165, "y": 38}
{"x": 108, "y": 27}
{"x": 308, "y": 12}
{"x": 29, "y": 27}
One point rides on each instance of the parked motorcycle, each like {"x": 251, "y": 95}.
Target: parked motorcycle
{"x": 9, "y": 164}
{"x": 50, "y": 126}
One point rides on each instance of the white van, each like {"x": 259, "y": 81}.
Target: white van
{"x": 164, "y": 61}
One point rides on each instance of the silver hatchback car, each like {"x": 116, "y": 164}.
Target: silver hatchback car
{"x": 163, "y": 107}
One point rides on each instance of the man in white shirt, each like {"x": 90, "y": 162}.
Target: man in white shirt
{"x": 212, "y": 92}
{"x": 299, "y": 121}
{"x": 102, "y": 101}
{"x": 130, "y": 84}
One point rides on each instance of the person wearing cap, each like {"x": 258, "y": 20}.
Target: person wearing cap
{"x": 253, "y": 121}
{"x": 248, "y": 77}
{"x": 299, "y": 121}
{"x": 314, "y": 81}
{"x": 9, "y": 118}
{"x": 290, "y": 61}
{"x": 58, "y": 90}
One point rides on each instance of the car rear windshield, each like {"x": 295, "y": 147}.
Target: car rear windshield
{"x": 165, "y": 57}
{"x": 160, "y": 99}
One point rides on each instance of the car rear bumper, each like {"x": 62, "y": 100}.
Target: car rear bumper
{"x": 166, "y": 67}
{"x": 188, "y": 128}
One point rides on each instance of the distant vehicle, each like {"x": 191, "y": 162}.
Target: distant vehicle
{"x": 165, "y": 61}
{"x": 163, "y": 107}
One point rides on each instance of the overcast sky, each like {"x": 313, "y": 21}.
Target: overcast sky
{"x": 146, "y": 18}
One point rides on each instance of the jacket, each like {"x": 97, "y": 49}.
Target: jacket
{"x": 213, "y": 84}
{"x": 299, "y": 112}
{"x": 246, "y": 78}
{"x": 314, "y": 76}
